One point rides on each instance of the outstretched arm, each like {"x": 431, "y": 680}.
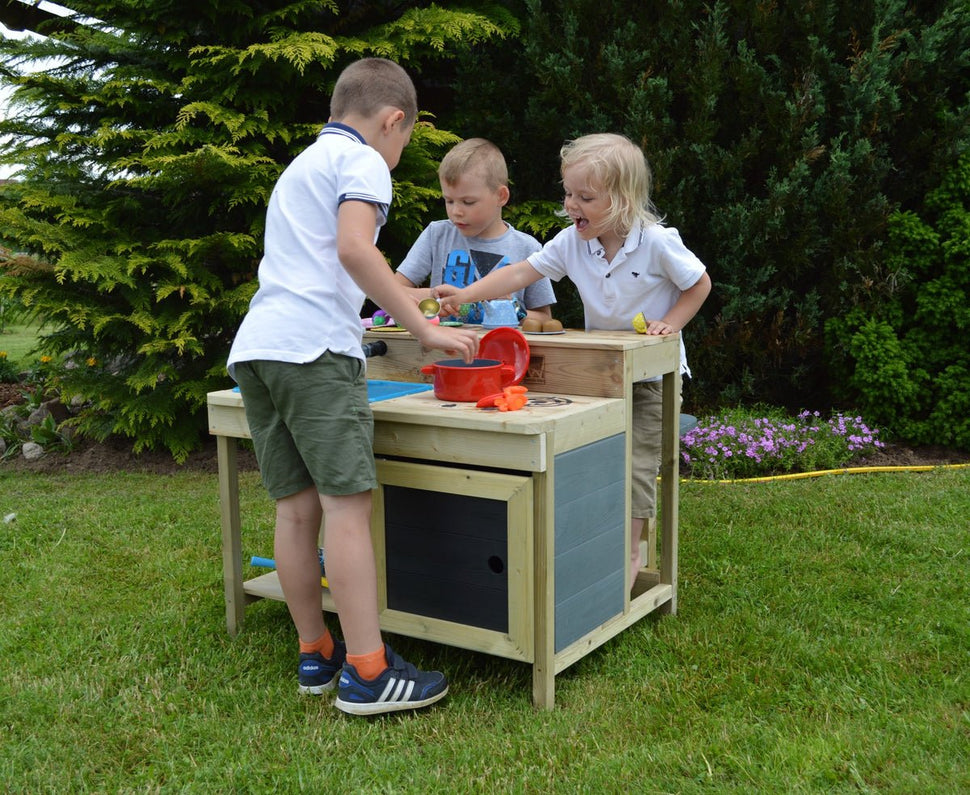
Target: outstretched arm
{"x": 500, "y": 282}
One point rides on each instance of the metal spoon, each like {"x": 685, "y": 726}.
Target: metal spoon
{"x": 429, "y": 307}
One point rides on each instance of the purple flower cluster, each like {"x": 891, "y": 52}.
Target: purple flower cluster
{"x": 740, "y": 445}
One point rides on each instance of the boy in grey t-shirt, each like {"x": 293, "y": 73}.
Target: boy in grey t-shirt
{"x": 475, "y": 240}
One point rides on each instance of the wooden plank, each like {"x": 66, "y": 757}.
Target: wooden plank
{"x": 544, "y": 593}
{"x": 228, "y": 418}
{"x": 669, "y": 492}
{"x": 460, "y": 446}
{"x": 232, "y": 580}
{"x": 452, "y": 634}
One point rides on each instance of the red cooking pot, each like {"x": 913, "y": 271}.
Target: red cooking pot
{"x": 469, "y": 382}
{"x": 505, "y": 353}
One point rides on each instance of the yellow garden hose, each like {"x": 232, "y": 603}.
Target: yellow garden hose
{"x": 819, "y": 473}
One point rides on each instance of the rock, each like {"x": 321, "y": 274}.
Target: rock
{"x": 31, "y": 451}
{"x": 39, "y": 414}
{"x": 57, "y": 410}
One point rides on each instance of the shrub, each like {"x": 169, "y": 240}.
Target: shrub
{"x": 782, "y": 137}
{"x": 904, "y": 359}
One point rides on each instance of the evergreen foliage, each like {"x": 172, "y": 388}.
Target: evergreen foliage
{"x": 149, "y": 148}
{"x": 905, "y": 360}
{"x": 782, "y": 136}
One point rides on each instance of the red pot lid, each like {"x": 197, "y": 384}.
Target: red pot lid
{"x": 509, "y": 346}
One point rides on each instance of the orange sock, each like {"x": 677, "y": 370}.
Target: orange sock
{"x": 370, "y": 665}
{"x": 323, "y": 644}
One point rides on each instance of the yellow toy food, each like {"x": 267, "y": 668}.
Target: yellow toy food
{"x": 640, "y": 323}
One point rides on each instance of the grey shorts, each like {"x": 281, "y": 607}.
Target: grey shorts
{"x": 311, "y": 424}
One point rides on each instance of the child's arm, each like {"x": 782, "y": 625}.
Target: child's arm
{"x": 416, "y": 293}
{"x": 683, "y": 311}
{"x": 500, "y": 282}
{"x": 356, "y": 224}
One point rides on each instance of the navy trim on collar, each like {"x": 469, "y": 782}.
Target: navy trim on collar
{"x": 336, "y": 127}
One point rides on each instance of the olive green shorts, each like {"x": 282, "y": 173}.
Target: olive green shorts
{"x": 311, "y": 424}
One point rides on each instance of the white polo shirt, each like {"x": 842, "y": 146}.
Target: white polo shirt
{"x": 307, "y": 303}
{"x": 647, "y": 275}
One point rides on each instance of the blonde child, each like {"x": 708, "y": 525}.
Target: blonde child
{"x": 474, "y": 240}
{"x": 298, "y": 360}
{"x": 623, "y": 261}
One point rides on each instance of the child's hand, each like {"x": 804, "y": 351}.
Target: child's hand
{"x": 652, "y": 327}
{"x": 453, "y": 341}
{"x": 447, "y": 296}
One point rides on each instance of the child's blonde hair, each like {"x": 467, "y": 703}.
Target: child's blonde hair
{"x": 478, "y": 156}
{"x": 370, "y": 84}
{"x": 621, "y": 168}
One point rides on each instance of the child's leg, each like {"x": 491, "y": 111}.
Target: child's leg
{"x": 636, "y": 536}
{"x": 352, "y": 571}
{"x": 647, "y": 440}
{"x": 297, "y": 532}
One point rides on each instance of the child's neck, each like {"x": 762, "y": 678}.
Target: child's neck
{"x": 611, "y": 243}
{"x": 497, "y": 228}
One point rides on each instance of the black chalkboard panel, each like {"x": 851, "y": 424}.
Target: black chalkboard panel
{"x": 447, "y": 556}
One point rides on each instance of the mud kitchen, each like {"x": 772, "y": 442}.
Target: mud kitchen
{"x": 504, "y": 532}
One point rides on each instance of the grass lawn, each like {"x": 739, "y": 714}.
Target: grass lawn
{"x": 19, "y": 340}
{"x": 822, "y": 644}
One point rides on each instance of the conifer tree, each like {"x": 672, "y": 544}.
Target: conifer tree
{"x": 147, "y": 149}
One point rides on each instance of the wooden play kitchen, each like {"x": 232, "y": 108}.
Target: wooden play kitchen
{"x": 501, "y": 532}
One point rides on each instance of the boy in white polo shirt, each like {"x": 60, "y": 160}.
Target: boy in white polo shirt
{"x": 298, "y": 360}
{"x": 623, "y": 261}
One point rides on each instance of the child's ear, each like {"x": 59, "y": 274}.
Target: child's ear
{"x": 503, "y": 195}
{"x": 394, "y": 117}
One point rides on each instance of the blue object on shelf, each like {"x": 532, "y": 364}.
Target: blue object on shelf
{"x": 385, "y": 390}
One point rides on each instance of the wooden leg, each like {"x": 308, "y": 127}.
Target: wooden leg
{"x": 544, "y": 665}
{"x": 232, "y": 576}
{"x": 670, "y": 486}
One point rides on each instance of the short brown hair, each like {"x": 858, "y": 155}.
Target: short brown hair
{"x": 477, "y": 155}
{"x": 370, "y": 84}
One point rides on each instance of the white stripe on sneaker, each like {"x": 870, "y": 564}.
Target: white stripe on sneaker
{"x": 396, "y": 690}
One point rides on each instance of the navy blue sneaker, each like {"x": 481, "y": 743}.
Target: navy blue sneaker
{"x": 401, "y": 686}
{"x": 319, "y": 674}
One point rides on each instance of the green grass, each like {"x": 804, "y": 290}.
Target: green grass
{"x": 822, "y": 644}
{"x": 19, "y": 340}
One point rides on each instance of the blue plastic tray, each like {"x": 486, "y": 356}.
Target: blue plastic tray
{"x": 385, "y": 390}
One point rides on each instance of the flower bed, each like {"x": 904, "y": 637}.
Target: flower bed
{"x": 741, "y": 444}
